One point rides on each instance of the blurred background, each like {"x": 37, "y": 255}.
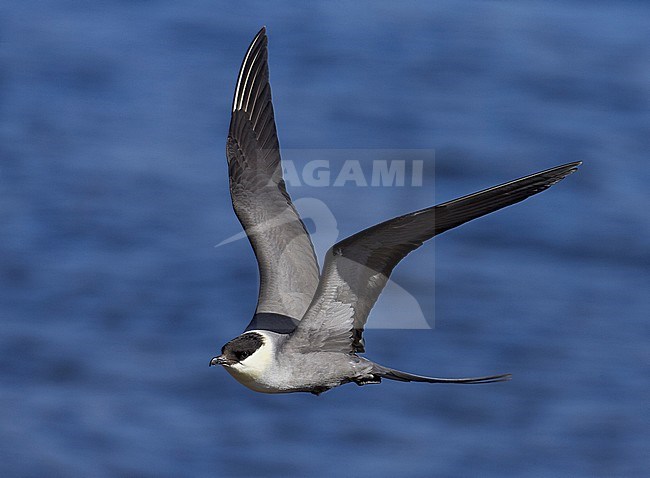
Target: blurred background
{"x": 113, "y": 298}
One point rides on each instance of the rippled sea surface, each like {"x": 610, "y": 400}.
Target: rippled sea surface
{"x": 113, "y": 298}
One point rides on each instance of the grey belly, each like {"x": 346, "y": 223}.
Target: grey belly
{"x": 305, "y": 372}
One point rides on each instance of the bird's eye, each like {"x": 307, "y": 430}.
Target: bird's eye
{"x": 242, "y": 355}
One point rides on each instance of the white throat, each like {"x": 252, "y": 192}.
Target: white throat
{"x": 252, "y": 370}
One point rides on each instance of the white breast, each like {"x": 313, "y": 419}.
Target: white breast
{"x": 254, "y": 371}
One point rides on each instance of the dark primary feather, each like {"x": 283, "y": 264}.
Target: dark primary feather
{"x": 458, "y": 211}
{"x": 287, "y": 264}
{"x": 357, "y": 268}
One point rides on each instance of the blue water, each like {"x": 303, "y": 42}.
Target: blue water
{"x": 113, "y": 119}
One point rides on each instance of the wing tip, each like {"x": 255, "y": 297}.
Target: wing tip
{"x": 259, "y": 39}
{"x": 574, "y": 167}
{"x": 564, "y": 170}
{"x": 261, "y": 35}
{"x": 558, "y": 173}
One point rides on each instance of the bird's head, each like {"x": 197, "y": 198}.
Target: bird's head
{"x": 241, "y": 350}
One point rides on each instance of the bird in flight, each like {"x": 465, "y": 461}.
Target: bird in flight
{"x": 307, "y": 331}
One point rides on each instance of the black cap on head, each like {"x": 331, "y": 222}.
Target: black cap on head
{"x": 243, "y": 346}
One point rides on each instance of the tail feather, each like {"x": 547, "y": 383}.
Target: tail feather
{"x": 391, "y": 374}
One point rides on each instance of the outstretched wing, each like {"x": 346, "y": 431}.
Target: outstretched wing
{"x": 285, "y": 255}
{"x": 357, "y": 268}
